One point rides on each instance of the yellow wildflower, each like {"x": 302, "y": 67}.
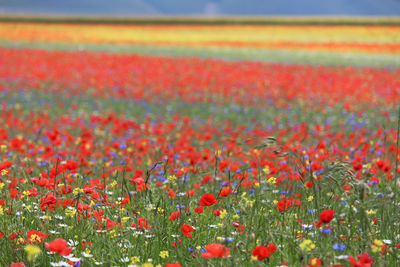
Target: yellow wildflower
{"x": 135, "y": 260}
{"x": 222, "y": 214}
{"x": 377, "y": 246}
{"x": 70, "y": 213}
{"x": 77, "y": 191}
{"x": 307, "y": 245}
{"x": 32, "y": 251}
{"x": 272, "y": 180}
{"x": 164, "y": 254}
{"x": 369, "y": 212}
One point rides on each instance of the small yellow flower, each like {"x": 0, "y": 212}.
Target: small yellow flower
{"x": 272, "y": 180}
{"x": 135, "y": 260}
{"x": 310, "y": 198}
{"x": 70, "y": 213}
{"x": 376, "y": 246}
{"x": 369, "y": 212}
{"x": 222, "y": 214}
{"x": 3, "y": 148}
{"x": 266, "y": 170}
{"x": 2, "y": 185}
{"x": 147, "y": 264}
{"x": 171, "y": 178}
{"x": 77, "y": 191}
{"x": 160, "y": 210}
{"x": 4, "y": 172}
{"x": 307, "y": 245}
{"x": 32, "y": 251}
{"x": 164, "y": 254}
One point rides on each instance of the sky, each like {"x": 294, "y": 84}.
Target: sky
{"x": 202, "y": 7}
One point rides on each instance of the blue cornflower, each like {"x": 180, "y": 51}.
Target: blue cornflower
{"x": 339, "y": 247}
{"x": 326, "y": 231}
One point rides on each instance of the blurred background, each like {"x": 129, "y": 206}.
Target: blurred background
{"x": 202, "y": 7}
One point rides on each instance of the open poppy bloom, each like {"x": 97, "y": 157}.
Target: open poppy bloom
{"x": 325, "y": 217}
{"x": 36, "y": 236}
{"x": 215, "y": 250}
{"x": 364, "y": 260}
{"x": 59, "y": 245}
{"x": 208, "y": 199}
{"x": 262, "y": 252}
{"x": 186, "y": 230}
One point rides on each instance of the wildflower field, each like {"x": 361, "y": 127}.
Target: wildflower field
{"x": 199, "y": 145}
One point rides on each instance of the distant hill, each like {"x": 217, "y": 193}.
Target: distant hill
{"x": 198, "y": 7}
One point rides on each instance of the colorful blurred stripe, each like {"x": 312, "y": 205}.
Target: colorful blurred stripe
{"x": 360, "y": 39}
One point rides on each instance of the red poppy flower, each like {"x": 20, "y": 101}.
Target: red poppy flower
{"x": 215, "y": 250}
{"x": 17, "y": 264}
{"x": 208, "y": 199}
{"x": 325, "y": 217}
{"x": 199, "y": 210}
{"x": 226, "y": 191}
{"x": 364, "y": 260}
{"x": 174, "y": 215}
{"x": 59, "y": 245}
{"x": 262, "y": 252}
{"x": 173, "y": 265}
{"x": 186, "y": 230}
{"x": 36, "y": 236}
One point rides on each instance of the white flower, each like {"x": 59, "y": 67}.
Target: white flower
{"x": 126, "y": 259}
{"x": 59, "y": 264}
{"x": 387, "y": 242}
{"x": 72, "y": 243}
{"x": 87, "y": 255}
{"x": 342, "y": 257}
{"x": 72, "y": 258}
